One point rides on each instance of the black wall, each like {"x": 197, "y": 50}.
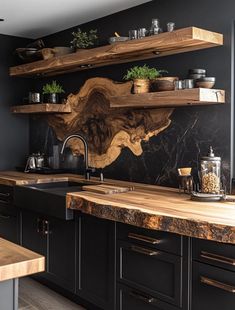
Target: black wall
{"x": 14, "y": 130}
{"x": 193, "y": 129}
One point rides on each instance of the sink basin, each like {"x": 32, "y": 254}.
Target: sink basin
{"x": 47, "y": 198}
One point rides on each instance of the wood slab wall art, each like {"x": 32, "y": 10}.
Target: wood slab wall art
{"x": 107, "y": 130}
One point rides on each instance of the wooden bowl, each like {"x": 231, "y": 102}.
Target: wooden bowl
{"x": 164, "y": 83}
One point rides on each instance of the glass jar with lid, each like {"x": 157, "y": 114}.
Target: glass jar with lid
{"x": 155, "y": 27}
{"x": 210, "y": 173}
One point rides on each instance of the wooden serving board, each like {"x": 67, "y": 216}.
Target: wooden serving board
{"x": 107, "y": 189}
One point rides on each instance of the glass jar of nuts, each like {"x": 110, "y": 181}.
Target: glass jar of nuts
{"x": 210, "y": 173}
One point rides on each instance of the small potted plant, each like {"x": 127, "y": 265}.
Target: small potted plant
{"x": 83, "y": 40}
{"x": 142, "y": 77}
{"x": 51, "y": 92}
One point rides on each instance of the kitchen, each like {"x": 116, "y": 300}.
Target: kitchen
{"x": 118, "y": 215}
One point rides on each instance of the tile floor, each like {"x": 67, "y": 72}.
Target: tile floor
{"x": 35, "y": 296}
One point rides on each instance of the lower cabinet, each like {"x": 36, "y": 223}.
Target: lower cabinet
{"x": 96, "y": 268}
{"x": 56, "y": 240}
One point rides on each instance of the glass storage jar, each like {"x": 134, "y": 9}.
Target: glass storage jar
{"x": 155, "y": 27}
{"x": 210, "y": 173}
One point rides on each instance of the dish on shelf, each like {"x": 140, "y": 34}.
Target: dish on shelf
{"x": 206, "y": 82}
{"x": 113, "y": 40}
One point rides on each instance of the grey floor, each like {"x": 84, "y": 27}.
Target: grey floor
{"x": 34, "y": 296}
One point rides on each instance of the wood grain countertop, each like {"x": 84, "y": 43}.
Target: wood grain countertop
{"x": 16, "y": 261}
{"x": 148, "y": 206}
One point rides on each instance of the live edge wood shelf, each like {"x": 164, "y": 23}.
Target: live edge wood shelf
{"x": 168, "y": 43}
{"x": 41, "y": 108}
{"x": 176, "y": 98}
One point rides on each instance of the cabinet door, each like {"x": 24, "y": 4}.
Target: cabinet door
{"x": 9, "y": 224}
{"x": 61, "y": 254}
{"x": 33, "y": 236}
{"x": 97, "y": 261}
{"x": 213, "y": 288}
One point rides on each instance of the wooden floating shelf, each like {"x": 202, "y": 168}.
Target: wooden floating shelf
{"x": 176, "y": 98}
{"x": 41, "y": 108}
{"x": 164, "y": 44}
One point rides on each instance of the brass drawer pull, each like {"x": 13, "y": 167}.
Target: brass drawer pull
{"x": 143, "y": 250}
{"x": 220, "y": 285}
{"x": 141, "y": 297}
{"x": 218, "y": 258}
{"x": 143, "y": 238}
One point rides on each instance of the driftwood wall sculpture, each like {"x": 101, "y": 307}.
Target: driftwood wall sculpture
{"x": 107, "y": 130}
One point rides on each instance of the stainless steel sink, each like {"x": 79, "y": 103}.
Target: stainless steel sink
{"x": 47, "y": 198}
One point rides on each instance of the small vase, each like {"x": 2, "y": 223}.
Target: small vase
{"x": 141, "y": 86}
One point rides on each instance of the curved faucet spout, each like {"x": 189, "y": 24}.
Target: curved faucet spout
{"x": 80, "y": 137}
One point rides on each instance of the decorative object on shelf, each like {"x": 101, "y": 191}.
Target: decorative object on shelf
{"x": 210, "y": 173}
{"x": 107, "y": 130}
{"x": 83, "y": 40}
{"x": 170, "y": 26}
{"x": 34, "y": 97}
{"x": 185, "y": 180}
{"x": 141, "y": 76}
{"x": 133, "y": 34}
{"x": 165, "y": 44}
{"x": 196, "y": 73}
{"x": 142, "y": 32}
{"x": 32, "y": 52}
{"x": 155, "y": 27}
{"x": 51, "y": 92}
{"x": 117, "y": 38}
{"x": 188, "y": 83}
{"x": 205, "y": 82}
{"x": 164, "y": 83}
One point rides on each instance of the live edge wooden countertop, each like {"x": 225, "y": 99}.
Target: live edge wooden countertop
{"x": 148, "y": 206}
{"x": 16, "y": 261}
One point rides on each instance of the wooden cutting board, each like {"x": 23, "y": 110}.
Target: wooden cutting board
{"x": 107, "y": 189}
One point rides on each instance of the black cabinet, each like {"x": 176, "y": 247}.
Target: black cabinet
{"x": 213, "y": 288}
{"x": 96, "y": 270}
{"x": 9, "y": 215}
{"x": 56, "y": 240}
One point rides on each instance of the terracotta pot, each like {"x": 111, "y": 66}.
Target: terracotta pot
{"x": 141, "y": 86}
{"x": 164, "y": 83}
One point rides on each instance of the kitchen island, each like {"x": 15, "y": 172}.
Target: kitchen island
{"x": 15, "y": 262}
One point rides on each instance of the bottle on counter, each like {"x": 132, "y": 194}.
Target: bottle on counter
{"x": 210, "y": 173}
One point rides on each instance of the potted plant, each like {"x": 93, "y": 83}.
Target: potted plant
{"x": 51, "y": 92}
{"x": 142, "y": 77}
{"x": 82, "y": 40}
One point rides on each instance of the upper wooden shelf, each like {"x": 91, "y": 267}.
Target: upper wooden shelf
{"x": 176, "y": 98}
{"x": 167, "y": 43}
{"x": 41, "y": 108}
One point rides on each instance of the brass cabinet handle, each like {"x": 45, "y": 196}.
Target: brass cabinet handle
{"x": 217, "y": 284}
{"x": 143, "y": 238}
{"x": 141, "y": 297}
{"x": 218, "y": 258}
{"x": 143, "y": 250}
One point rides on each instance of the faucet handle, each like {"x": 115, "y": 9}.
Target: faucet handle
{"x": 89, "y": 170}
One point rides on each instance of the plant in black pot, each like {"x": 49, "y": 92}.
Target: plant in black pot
{"x": 52, "y": 92}
{"x": 83, "y": 40}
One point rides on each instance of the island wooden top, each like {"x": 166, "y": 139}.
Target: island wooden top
{"x": 148, "y": 206}
{"x": 16, "y": 261}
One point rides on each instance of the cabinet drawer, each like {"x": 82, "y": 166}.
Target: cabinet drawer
{"x": 6, "y": 195}
{"x": 214, "y": 253}
{"x": 152, "y": 271}
{"x": 213, "y": 288}
{"x": 164, "y": 241}
{"x": 131, "y": 299}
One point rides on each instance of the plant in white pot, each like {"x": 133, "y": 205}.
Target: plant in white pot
{"x": 52, "y": 92}
{"x": 142, "y": 77}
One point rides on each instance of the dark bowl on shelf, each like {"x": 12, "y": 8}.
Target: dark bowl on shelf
{"x": 197, "y": 71}
{"x": 196, "y": 76}
{"x": 206, "y": 82}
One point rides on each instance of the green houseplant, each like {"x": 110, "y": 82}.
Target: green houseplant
{"x": 51, "y": 92}
{"x": 82, "y": 39}
{"x": 142, "y": 77}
